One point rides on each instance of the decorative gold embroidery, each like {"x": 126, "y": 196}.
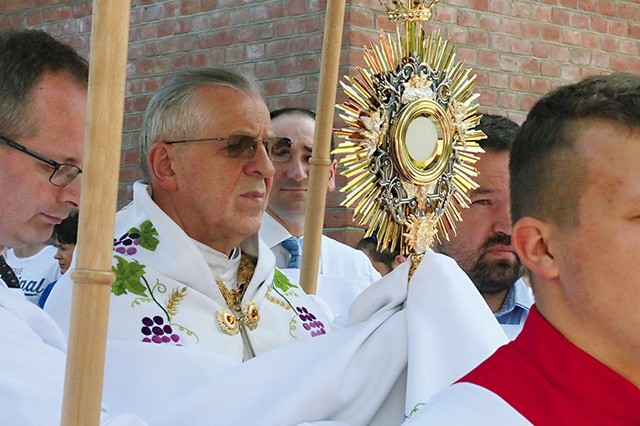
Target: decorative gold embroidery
{"x": 229, "y": 322}
{"x": 277, "y": 301}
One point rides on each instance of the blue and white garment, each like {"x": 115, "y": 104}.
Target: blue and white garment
{"x": 515, "y": 308}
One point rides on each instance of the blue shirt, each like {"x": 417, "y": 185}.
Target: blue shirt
{"x": 516, "y": 305}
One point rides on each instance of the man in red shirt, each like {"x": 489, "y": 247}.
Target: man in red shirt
{"x": 575, "y": 197}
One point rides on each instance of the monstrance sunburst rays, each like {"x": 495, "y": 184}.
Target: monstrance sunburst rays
{"x": 406, "y": 198}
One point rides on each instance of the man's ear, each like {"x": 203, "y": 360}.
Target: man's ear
{"x": 531, "y": 238}
{"x": 332, "y": 175}
{"x": 160, "y": 164}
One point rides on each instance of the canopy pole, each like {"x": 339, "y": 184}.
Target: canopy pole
{"x": 320, "y": 157}
{"x": 93, "y": 276}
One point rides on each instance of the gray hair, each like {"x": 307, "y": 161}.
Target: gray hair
{"x": 172, "y": 111}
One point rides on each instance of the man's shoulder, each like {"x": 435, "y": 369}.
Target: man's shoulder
{"x": 342, "y": 247}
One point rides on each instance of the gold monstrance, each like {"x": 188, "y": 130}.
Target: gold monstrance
{"x": 411, "y": 141}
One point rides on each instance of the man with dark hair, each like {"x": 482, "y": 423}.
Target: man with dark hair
{"x": 575, "y": 185}
{"x": 482, "y": 245}
{"x": 383, "y": 261}
{"x": 343, "y": 271}
{"x": 43, "y": 95}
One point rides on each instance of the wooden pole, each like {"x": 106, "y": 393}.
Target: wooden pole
{"x": 320, "y": 157}
{"x": 93, "y": 276}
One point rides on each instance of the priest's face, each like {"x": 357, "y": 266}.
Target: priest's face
{"x": 32, "y": 205}
{"x": 482, "y": 246}
{"x": 597, "y": 261}
{"x": 219, "y": 198}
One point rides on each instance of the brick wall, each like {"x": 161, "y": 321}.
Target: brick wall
{"x": 520, "y": 49}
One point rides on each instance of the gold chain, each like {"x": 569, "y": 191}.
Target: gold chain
{"x": 250, "y": 317}
{"x": 233, "y": 297}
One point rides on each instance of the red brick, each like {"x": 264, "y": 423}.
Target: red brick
{"x": 619, "y": 63}
{"x": 510, "y": 63}
{"x": 569, "y": 36}
{"x": 541, "y": 50}
{"x": 569, "y": 3}
{"x": 489, "y": 23}
{"x": 489, "y": 59}
{"x": 508, "y": 100}
{"x": 540, "y": 85}
{"x": 500, "y": 42}
{"x": 618, "y": 28}
{"x": 520, "y": 83}
{"x": 531, "y": 66}
{"x": 468, "y": 19}
{"x": 360, "y": 18}
{"x": 610, "y": 44}
{"x": 601, "y": 60}
{"x": 498, "y": 80}
{"x": 580, "y": 57}
{"x": 189, "y": 7}
{"x": 580, "y": 20}
{"x": 598, "y": 23}
{"x": 487, "y": 97}
{"x": 521, "y": 47}
{"x": 541, "y": 13}
{"x": 550, "y": 33}
{"x": 560, "y": 17}
{"x": 570, "y": 73}
{"x": 591, "y": 41}
{"x": 608, "y": 7}
{"x": 588, "y": 5}
{"x": 550, "y": 69}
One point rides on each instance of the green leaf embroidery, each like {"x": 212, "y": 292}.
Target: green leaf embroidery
{"x": 148, "y": 235}
{"x": 281, "y": 281}
{"x": 128, "y": 278}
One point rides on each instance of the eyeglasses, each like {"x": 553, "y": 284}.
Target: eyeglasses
{"x": 240, "y": 146}
{"x": 63, "y": 173}
{"x": 281, "y": 151}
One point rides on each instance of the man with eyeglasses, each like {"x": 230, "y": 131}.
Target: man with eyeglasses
{"x": 43, "y": 95}
{"x": 43, "y": 90}
{"x": 190, "y": 267}
{"x": 343, "y": 271}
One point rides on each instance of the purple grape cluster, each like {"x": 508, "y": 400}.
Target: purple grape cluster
{"x": 309, "y": 322}
{"x": 156, "y": 331}
{"x": 127, "y": 243}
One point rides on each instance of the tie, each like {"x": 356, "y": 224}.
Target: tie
{"x": 7, "y": 274}
{"x": 293, "y": 245}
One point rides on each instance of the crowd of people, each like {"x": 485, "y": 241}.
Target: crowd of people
{"x": 207, "y": 298}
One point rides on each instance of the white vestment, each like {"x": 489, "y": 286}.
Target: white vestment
{"x": 469, "y": 405}
{"x": 32, "y": 363}
{"x": 166, "y": 293}
{"x": 343, "y": 272}
{"x": 407, "y": 342}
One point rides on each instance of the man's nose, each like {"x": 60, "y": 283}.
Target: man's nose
{"x": 298, "y": 170}
{"x": 260, "y": 163}
{"x": 502, "y": 220}
{"x": 70, "y": 194}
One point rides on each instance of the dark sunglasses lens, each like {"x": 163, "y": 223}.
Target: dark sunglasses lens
{"x": 241, "y": 146}
{"x": 280, "y": 150}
